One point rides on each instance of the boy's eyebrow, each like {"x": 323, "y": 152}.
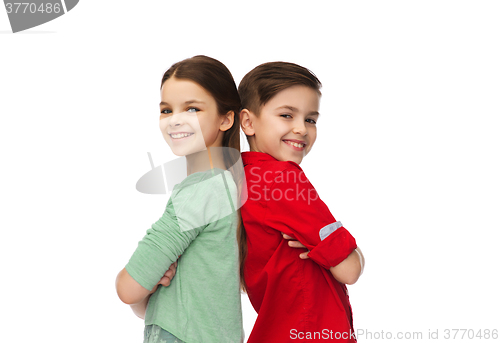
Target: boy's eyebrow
{"x": 295, "y": 109}
{"x": 288, "y": 107}
{"x": 185, "y": 103}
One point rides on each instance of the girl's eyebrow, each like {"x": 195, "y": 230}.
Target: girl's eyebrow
{"x": 295, "y": 109}
{"x": 185, "y": 103}
{"x": 193, "y": 102}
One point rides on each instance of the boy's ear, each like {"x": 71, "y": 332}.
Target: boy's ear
{"x": 246, "y": 122}
{"x": 228, "y": 121}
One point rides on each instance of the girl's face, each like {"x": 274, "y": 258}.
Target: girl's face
{"x": 189, "y": 120}
{"x": 286, "y": 126}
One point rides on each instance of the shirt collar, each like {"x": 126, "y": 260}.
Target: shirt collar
{"x": 251, "y": 157}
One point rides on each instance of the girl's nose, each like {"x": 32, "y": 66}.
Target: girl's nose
{"x": 177, "y": 119}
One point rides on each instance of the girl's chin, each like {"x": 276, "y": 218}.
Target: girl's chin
{"x": 185, "y": 151}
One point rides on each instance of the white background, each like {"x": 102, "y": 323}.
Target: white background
{"x": 407, "y": 155}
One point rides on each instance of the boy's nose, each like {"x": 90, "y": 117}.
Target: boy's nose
{"x": 300, "y": 129}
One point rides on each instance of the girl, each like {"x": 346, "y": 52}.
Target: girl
{"x": 199, "y": 100}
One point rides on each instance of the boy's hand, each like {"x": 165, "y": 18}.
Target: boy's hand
{"x": 296, "y": 244}
{"x": 167, "y": 277}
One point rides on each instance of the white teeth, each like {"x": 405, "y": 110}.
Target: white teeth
{"x": 180, "y": 135}
{"x": 297, "y": 145}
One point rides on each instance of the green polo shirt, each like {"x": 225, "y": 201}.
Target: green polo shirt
{"x": 202, "y": 303}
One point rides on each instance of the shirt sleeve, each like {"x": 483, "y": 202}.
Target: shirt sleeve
{"x": 294, "y": 208}
{"x": 191, "y": 208}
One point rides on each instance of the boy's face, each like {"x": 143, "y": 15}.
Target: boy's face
{"x": 286, "y": 127}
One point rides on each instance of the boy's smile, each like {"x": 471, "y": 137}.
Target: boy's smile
{"x": 286, "y": 126}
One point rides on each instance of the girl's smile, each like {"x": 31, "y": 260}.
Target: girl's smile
{"x": 180, "y": 135}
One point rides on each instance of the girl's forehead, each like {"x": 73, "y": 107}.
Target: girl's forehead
{"x": 184, "y": 90}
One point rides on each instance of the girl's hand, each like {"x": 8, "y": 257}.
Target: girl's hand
{"x": 296, "y": 244}
{"x": 167, "y": 277}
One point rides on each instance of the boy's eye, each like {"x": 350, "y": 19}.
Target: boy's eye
{"x": 285, "y": 116}
{"x": 192, "y": 110}
{"x": 312, "y": 121}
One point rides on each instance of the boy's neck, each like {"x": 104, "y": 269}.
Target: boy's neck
{"x": 253, "y": 150}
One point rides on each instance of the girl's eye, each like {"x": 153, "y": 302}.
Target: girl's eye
{"x": 192, "y": 110}
{"x": 312, "y": 121}
{"x": 166, "y": 111}
{"x": 285, "y": 116}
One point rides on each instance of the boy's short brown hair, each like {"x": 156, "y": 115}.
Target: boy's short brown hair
{"x": 268, "y": 79}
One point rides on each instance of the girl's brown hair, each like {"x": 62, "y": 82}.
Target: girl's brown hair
{"x": 258, "y": 87}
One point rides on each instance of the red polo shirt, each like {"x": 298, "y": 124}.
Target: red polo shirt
{"x": 296, "y": 300}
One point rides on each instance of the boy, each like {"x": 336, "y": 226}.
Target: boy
{"x": 296, "y": 299}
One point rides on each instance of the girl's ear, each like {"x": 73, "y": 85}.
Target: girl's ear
{"x": 228, "y": 121}
{"x": 246, "y": 122}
